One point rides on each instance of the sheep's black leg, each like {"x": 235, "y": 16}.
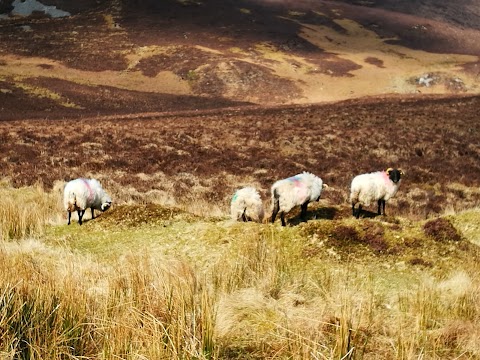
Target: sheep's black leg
{"x": 93, "y": 214}
{"x": 353, "y": 209}
{"x": 276, "y": 206}
{"x": 69, "y": 216}
{"x": 244, "y": 217}
{"x": 359, "y": 211}
{"x": 80, "y": 215}
{"x": 303, "y": 213}
{"x": 282, "y": 217}
{"x": 381, "y": 204}
{"x": 274, "y": 213}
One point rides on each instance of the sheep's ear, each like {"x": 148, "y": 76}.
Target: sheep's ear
{"x": 389, "y": 170}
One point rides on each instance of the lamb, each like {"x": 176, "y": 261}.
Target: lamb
{"x": 80, "y": 194}
{"x": 246, "y": 205}
{"x": 293, "y": 191}
{"x": 378, "y": 186}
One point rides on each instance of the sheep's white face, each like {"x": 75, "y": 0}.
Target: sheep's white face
{"x": 106, "y": 205}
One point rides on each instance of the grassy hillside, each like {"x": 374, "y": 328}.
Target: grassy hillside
{"x": 175, "y": 104}
{"x": 146, "y": 281}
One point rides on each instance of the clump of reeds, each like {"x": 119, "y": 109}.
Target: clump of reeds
{"x": 25, "y": 211}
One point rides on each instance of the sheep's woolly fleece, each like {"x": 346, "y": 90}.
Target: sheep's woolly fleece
{"x": 81, "y": 194}
{"x": 297, "y": 190}
{"x": 247, "y": 204}
{"x": 371, "y": 187}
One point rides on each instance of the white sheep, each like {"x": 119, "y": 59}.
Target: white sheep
{"x": 378, "y": 186}
{"x": 246, "y": 205}
{"x": 293, "y": 191}
{"x": 81, "y": 194}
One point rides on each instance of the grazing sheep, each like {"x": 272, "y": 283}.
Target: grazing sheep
{"x": 296, "y": 190}
{"x": 377, "y": 186}
{"x": 246, "y": 205}
{"x": 80, "y": 194}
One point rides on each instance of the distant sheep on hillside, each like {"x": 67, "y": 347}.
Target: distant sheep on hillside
{"x": 378, "y": 186}
{"x": 246, "y": 205}
{"x": 297, "y": 190}
{"x": 81, "y": 194}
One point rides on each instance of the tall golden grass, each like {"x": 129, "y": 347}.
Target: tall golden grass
{"x": 233, "y": 291}
{"x": 24, "y": 212}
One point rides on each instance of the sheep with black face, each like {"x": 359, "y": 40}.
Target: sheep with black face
{"x": 378, "y": 186}
{"x": 81, "y": 194}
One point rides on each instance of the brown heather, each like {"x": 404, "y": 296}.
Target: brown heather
{"x": 164, "y": 275}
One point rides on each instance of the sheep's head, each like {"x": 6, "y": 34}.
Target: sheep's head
{"x": 321, "y": 186}
{"x": 394, "y": 174}
{"x": 72, "y": 206}
{"x": 106, "y": 205}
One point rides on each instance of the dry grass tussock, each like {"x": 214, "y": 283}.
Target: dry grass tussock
{"x": 25, "y": 211}
{"x": 167, "y": 284}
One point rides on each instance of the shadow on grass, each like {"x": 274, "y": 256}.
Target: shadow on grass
{"x": 326, "y": 213}
{"x": 367, "y": 214}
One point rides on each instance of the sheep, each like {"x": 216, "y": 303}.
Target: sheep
{"x": 296, "y": 190}
{"x": 378, "y": 186}
{"x": 246, "y": 205}
{"x": 80, "y": 194}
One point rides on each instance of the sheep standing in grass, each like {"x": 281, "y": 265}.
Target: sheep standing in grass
{"x": 81, "y": 194}
{"x": 378, "y": 186}
{"x": 293, "y": 191}
{"x": 246, "y": 205}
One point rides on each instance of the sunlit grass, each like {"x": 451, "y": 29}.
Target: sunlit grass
{"x": 153, "y": 282}
{"x": 25, "y": 212}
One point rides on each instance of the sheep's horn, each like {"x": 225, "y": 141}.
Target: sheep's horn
{"x": 388, "y": 170}
{"x": 325, "y": 186}
{"x": 401, "y": 172}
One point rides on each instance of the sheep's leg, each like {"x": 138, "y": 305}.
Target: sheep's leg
{"x": 93, "y": 213}
{"x": 274, "y": 214}
{"x": 80, "y": 215}
{"x": 381, "y": 204}
{"x": 69, "y": 216}
{"x": 282, "y": 217}
{"x": 303, "y": 213}
{"x": 276, "y": 209}
{"x": 353, "y": 209}
{"x": 244, "y": 217}
{"x": 359, "y": 211}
